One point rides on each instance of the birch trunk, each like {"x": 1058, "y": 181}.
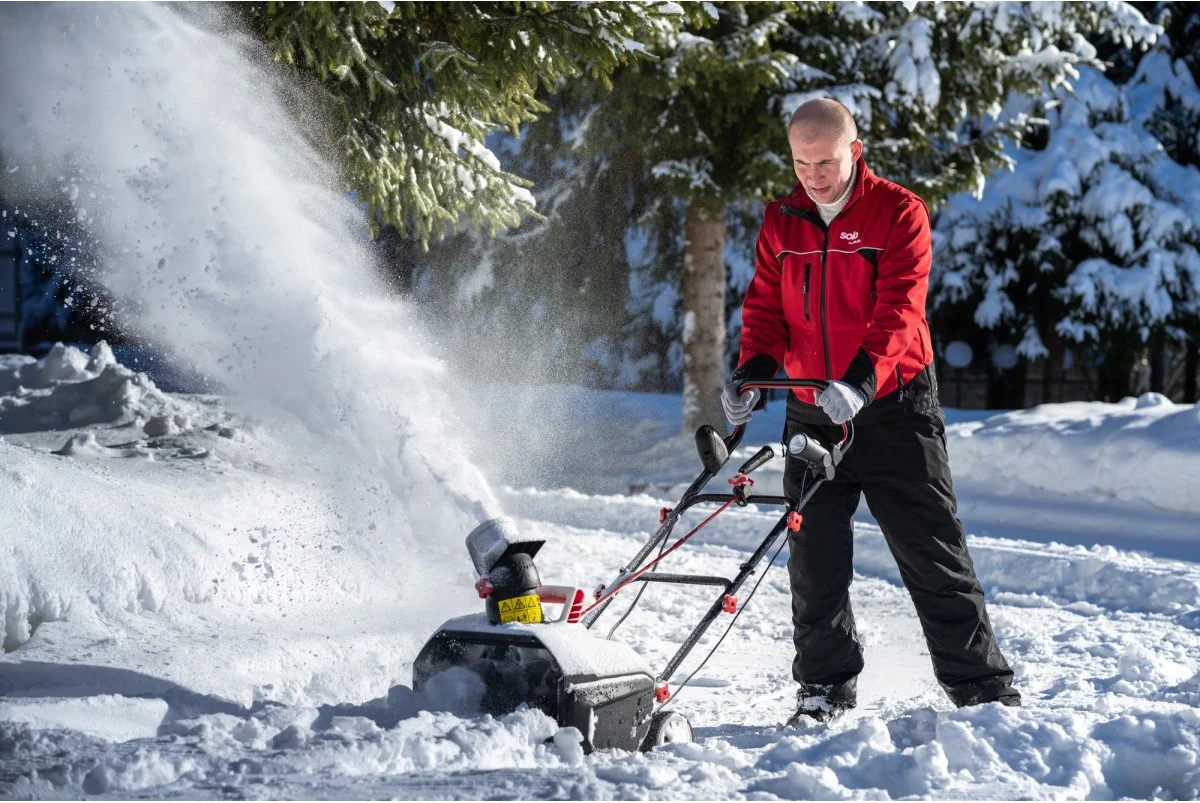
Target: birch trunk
{"x": 703, "y": 289}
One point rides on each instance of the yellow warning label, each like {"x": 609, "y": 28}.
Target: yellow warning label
{"x": 527, "y": 609}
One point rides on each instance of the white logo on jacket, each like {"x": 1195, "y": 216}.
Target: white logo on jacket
{"x": 850, "y": 236}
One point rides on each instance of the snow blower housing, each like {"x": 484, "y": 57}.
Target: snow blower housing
{"x": 514, "y": 654}
{"x": 601, "y": 687}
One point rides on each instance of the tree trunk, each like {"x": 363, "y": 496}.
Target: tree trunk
{"x": 703, "y": 319}
{"x": 995, "y": 395}
{"x": 1052, "y": 368}
{"x": 1014, "y": 390}
{"x": 1191, "y": 362}
{"x": 1117, "y": 372}
{"x": 1158, "y": 363}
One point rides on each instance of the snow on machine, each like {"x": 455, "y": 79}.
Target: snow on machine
{"x": 513, "y": 654}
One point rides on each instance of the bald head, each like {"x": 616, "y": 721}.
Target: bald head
{"x": 825, "y": 146}
{"x": 820, "y": 117}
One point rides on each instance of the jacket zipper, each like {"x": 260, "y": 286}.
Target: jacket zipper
{"x": 824, "y": 323}
{"x": 824, "y": 264}
{"x": 807, "y": 276}
{"x": 824, "y": 270}
{"x": 899, "y": 385}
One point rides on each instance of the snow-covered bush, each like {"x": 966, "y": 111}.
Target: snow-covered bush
{"x": 1091, "y": 238}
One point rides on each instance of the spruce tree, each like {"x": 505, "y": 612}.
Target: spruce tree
{"x": 1176, "y": 123}
{"x": 928, "y": 83}
{"x": 420, "y": 85}
{"x": 1092, "y": 240}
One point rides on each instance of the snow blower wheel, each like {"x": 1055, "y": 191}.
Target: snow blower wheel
{"x": 667, "y": 727}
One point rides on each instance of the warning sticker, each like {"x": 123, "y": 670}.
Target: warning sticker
{"x": 527, "y": 609}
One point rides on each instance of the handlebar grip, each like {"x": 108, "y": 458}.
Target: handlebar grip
{"x": 780, "y": 384}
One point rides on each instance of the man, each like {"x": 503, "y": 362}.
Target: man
{"x": 841, "y": 275}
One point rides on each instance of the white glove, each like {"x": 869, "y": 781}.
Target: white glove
{"x": 841, "y": 401}
{"x": 738, "y": 409}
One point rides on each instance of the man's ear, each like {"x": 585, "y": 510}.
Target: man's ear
{"x": 856, "y": 149}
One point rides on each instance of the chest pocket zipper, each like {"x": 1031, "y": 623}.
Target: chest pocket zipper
{"x": 807, "y": 278}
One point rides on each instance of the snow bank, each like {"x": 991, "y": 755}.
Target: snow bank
{"x": 1144, "y": 450}
{"x": 136, "y": 502}
{"x": 68, "y": 388}
{"x": 1099, "y": 575}
{"x": 110, "y": 716}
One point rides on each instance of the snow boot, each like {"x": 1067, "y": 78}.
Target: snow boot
{"x": 823, "y": 702}
{"x": 980, "y": 693}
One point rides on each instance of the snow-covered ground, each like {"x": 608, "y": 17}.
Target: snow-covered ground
{"x": 192, "y": 611}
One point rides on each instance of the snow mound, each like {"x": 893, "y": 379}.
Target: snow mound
{"x": 68, "y": 389}
{"x": 1144, "y": 449}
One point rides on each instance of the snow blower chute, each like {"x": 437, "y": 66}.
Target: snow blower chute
{"x": 515, "y": 654}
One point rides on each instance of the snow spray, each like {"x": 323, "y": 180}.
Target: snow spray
{"x": 226, "y": 242}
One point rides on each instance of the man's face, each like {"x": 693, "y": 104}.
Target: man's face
{"x": 823, "y": 161}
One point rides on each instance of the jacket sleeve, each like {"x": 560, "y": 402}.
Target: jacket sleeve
{"x": 900, "y": 288}
{"x": 764, "y": 327}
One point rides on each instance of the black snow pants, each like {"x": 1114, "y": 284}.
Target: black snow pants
{"x": 901, "y": 465}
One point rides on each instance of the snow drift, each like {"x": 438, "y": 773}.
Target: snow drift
{"x": 186, "y": 617}
{"x": 134, "y": 502}
{"x": 1143, "y": 449}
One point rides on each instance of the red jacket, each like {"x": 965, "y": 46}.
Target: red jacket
{"x": 848, "y": 302}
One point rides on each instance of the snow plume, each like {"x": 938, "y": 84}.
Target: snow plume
{"x": 222, "y": 236}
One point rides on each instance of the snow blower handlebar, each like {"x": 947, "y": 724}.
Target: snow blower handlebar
{"x": 820, "y": 462}
{"x": 824, "y": 460}
{"x": 714, "y": 452}
{"x": 605, "y": 689}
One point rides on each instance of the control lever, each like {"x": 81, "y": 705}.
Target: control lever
{"x": 763, "y": 455}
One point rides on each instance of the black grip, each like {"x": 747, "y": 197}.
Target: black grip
{"x": 781, "y": 384}
{"x": 756, "y": 460}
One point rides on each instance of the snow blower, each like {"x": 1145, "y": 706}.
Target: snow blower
{"x": 513, "y": 654}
